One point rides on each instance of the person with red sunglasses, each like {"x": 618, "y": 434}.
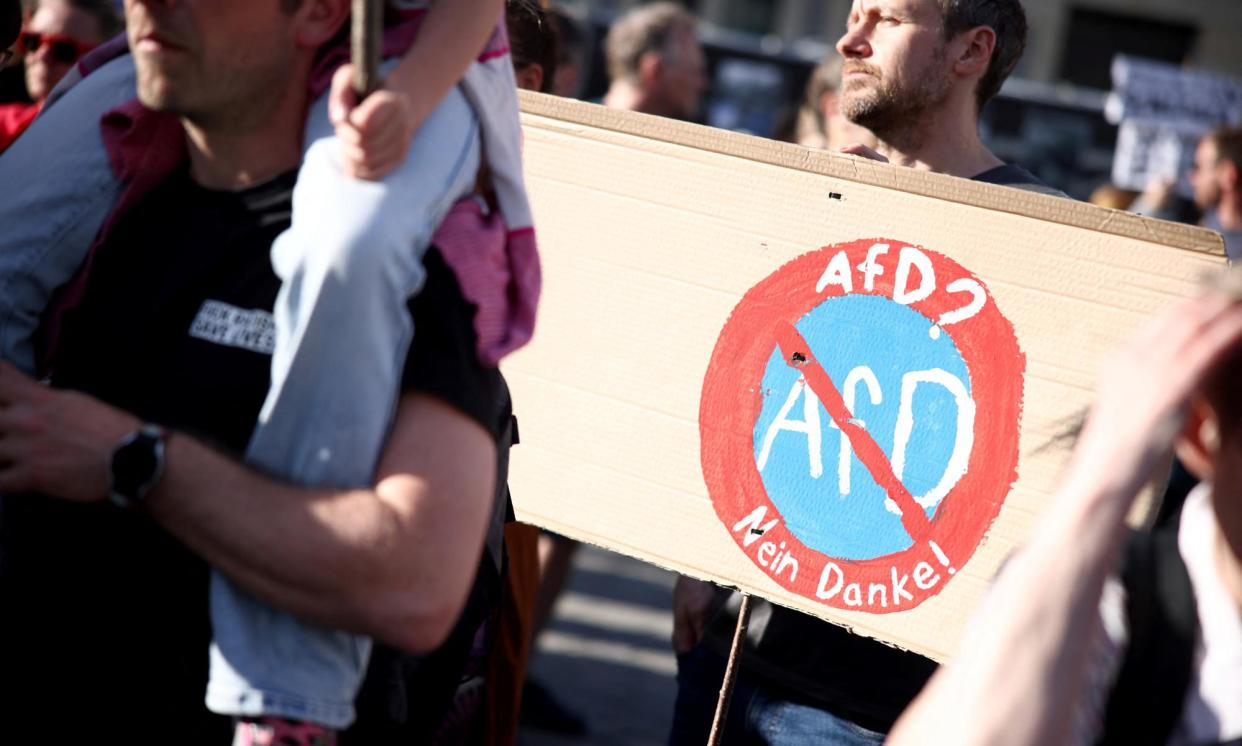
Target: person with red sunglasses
{"x": 59, "y": 33}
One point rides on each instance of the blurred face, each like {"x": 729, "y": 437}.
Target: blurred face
{"x": 45, "y": 66}
{"x": 1205, "y": 178}
{"x": 895, "y": 63}
{"x": 208, "y": 60}
{"x": 683, "y": 73}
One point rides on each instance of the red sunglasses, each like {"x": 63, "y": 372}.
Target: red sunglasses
{"x": 64, "y": 49}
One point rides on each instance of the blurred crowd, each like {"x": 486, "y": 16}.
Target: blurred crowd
{"x": 655, "y": 64}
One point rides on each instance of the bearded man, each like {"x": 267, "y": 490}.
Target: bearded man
{"x": 917, "y": 73}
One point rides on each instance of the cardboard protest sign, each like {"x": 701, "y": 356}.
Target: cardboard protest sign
{"x": 1162, "y": 111}
{"x": 827, "y": 381}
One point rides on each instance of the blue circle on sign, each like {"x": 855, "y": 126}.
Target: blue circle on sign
{"x": 897, "y": 379}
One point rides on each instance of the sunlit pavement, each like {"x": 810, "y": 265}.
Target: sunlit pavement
{"x": 606, "y": 654}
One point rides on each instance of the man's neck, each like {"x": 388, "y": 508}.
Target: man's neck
{"x": 942, "y": 143}
{"x": 623, "y": 94}
{"x": 259, "y": 143}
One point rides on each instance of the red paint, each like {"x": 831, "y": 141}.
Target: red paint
{"x": 868, "y": 451}
{"x": 732, "y": 401}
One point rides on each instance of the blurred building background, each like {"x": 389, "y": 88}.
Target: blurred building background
{"x": 1050, "y": 116}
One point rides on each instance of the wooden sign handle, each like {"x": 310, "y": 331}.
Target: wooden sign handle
{"x": 367, "y": 29}
{"x": 726, "y": 687}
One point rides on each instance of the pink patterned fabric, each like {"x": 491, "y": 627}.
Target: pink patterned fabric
{"x": 486, "y": 257}
{"x": 495, "y": 257}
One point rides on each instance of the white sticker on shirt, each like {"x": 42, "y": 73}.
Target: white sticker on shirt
{"x": 231, "y": 326}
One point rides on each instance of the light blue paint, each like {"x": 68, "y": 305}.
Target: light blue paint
{"x": 892, "y": 340}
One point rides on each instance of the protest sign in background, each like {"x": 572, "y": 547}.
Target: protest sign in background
{"x": 828, "y": 381}
{"x": 1162, "y": 111}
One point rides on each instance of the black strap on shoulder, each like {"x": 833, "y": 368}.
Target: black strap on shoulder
{"x": 1147, "y": 699}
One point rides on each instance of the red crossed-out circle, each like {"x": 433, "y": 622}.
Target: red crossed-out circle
{"x": 764, "y": 321}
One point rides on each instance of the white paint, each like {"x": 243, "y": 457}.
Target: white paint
{"x": 912, "y": 258}
{"x": 837, "y": 273}
{"x": 940, "y": 555}
{"x": 767, "y": 550}
{"x": 870, "y": 268}
{"x": 752, "y": 521}
{"x": 925, "y": 576}
{"x": 849, "y": 392}
{"x": 787, "y": 562}
{"x": 808, "y": 426}
{"x": 780, "y": 553}
{"x": 823, "y": 590}
{"x": 978, "y": 299}
{"x": 963, "y": 442}
{"x": 899, "y": 588}
{"x": 832, "y": 582}
{"x": 852, "y": 595}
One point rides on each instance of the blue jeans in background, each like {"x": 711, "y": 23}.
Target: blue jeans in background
{"x": 756, "y": 716}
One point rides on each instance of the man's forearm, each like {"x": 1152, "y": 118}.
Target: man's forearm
{"x": 1021, "y": 673}
{"x": 394, "y": 562}
{"x": 1025, "y": 667}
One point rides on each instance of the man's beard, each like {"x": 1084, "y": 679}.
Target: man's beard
{"x": 890, "y": 111}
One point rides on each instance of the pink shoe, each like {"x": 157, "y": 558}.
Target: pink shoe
{"x": 270, "y": 731}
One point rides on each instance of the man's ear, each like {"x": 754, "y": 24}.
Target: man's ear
{"x": 972, "y": 51}
{"x": 650, "y": 68}
{"x": 1199, "y": 441}
{"x": 1230, "y": 175}
{"x": 318, "y": 21}
{"x": 530, "y": 77}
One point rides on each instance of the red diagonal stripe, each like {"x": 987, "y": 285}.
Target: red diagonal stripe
{"x": 869, "y": 452}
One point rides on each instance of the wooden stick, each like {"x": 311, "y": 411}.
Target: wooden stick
{"x": 726, "y": 688}
{"x": 367, "y": 29}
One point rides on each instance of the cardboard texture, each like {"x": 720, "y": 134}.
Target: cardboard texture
{"x": 700, "y": 360}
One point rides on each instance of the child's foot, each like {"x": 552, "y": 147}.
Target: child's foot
{"x": 270, "y": 731}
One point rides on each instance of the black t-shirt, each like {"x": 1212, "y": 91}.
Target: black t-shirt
{"x": 104, "y": 624}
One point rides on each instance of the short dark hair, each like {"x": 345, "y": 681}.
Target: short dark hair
{"x": 644, "y": 29}
{"x": 107, "y": 19}
{"x": 1007, "y": 19}
{"x": 1228, "y": 144}
{"x": 569, "y": 41}
{"x": 532, "y": 38}
{"x": 10, "y": 22}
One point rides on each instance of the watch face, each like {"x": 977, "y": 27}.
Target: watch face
{"x": 134, "y": 465}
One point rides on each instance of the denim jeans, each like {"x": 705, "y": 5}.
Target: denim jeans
{"x": 349, "y": 263}
{"x": 756, "y": 716}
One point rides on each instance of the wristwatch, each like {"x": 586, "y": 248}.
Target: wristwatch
{"x": 136, "y": 465}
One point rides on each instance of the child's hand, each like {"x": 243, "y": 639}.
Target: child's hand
{"x": 375, "y": 134}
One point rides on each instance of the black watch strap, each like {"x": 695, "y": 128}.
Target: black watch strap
{"x": 136, "y": 465}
